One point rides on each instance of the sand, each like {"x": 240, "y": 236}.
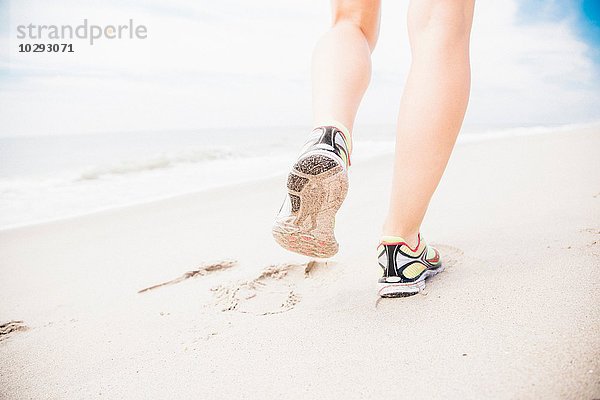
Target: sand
{"x": 515, "y": 315}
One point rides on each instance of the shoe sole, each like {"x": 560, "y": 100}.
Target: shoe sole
{"x": 387, "y": 290}
{"x": 317, "y": 186}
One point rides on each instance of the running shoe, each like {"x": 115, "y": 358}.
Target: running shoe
{"x": 316, "y": 188}
{"x": 404, "y": 268}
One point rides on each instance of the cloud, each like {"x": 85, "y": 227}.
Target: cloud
{"x": 530, "y": 72}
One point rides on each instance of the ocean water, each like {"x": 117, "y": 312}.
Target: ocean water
{"x": 52, "y": 177}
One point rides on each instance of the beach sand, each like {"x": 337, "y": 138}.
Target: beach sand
{"x": 516, "y": 314}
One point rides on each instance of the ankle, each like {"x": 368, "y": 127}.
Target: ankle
{"x": 410, "y": 236}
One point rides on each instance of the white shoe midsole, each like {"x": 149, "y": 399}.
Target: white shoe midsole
{"x": 408, "y": 287}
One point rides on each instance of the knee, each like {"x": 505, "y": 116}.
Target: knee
{"x": 362, "y": 13}
{"x": 449, "y": 20}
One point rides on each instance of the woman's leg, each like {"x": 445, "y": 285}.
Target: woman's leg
{"x": 432, "y": 108}
{"x": 318, "y": 181}
{"x": 341, "y": 64}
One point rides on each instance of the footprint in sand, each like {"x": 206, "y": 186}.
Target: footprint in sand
{"x": 592, "y": 246}
{"x": 451, "y": 255}
{"x": 200, "y": 271}
{"x": 6, "y": 328}
{"x": 274, "y": 291}
{"x": 278, "y": 288}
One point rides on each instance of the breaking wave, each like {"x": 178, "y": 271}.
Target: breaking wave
{"x": 162, "y": 161}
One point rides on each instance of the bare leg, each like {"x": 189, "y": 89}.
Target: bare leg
{"x": 341, "y": 64}
{"x": 318, "y": 181}
{"x": 432, "y": 108}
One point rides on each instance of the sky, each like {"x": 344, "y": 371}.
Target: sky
{"x": 234, "y": 63}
